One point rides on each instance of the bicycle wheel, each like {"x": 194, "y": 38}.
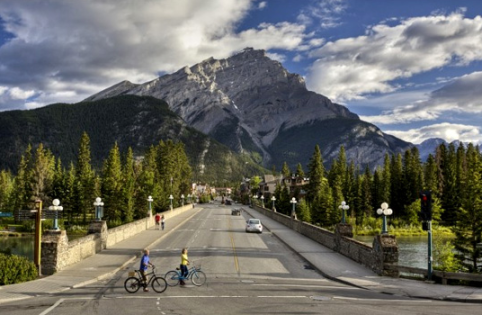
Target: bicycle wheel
{"x": 159, "y": 284}
{"x": 198, "y": 278}
{"x": 132, "y": 284}
{"x": 172, "y": 278}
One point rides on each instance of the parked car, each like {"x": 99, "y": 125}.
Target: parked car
{"x": 254, "y": 225}
{"x": 236, "y": 211}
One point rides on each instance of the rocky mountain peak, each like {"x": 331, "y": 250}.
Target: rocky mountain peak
{"x": 245, "y": 101}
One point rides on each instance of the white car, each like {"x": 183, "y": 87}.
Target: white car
{"x": 254, "y": 225}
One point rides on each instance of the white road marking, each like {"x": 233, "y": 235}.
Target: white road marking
{"x": 61, "y": 301}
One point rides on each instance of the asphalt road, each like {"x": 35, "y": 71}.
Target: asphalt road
{"x": 247, "y": 274}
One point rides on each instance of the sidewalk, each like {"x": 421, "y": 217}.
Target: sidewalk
{"x": 94, "y": 268}
{"x": 332, "y": 265}
{"x": 337, "y": 267}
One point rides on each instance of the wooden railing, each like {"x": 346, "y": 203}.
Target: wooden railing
{"x": 444, "y": 276}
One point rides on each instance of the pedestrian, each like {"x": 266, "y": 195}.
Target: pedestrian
{"x": 145, "y": 263}
{"x": 184, "y": 263}
{"x": 157, "y": 218}
{"x": 163, "y": 221}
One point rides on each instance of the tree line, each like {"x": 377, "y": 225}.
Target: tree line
{"x": 452, "y": 174}
{"x": 123, "y": 183}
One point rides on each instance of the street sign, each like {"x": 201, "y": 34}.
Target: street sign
{"x": 5, "y": 214}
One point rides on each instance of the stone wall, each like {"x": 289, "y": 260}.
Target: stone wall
{"x": 379, "y": 257}
{"x": 58, "y": 253}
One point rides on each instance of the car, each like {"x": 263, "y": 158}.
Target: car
{"x": 254, "y": 225}
{"x": 236, "y": 211}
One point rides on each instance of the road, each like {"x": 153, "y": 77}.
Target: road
{"x": 247, "y": 274}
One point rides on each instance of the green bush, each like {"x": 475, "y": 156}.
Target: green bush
{"x": 16, "y": 269}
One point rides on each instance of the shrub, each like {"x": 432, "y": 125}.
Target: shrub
{"x": 16, "y": 269}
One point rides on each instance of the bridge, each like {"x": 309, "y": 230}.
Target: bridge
{"x": 280, "y": 268}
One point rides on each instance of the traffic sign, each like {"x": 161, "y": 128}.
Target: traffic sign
{"x": 5, "y": 214}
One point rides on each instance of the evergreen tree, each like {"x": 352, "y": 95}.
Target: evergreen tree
{"x": 396, "y": 186}
{"x": 303, "y": 211}
{"x": 84, "y": 189}
{"x": 450, "y": 201}
{"x": 366, "y": 194}
{"x": 386, "y": 180}
{"x": 129, "y": 187}
{"x": 23, "y": 197}
{"x": 286, "y": 170}
{"x": 430, "y": 175}
{"x": 112, "y": 187}
{"x": 299, "y": 171}
{"x": 468, "y": 230}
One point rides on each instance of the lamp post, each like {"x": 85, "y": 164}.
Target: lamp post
{"x": 170, "y": 199}
{"x": 150, "y": 200}
{"x": 273, "y": 199}
{"x": 293, "y": 211}
{"x": 343, "y": 208}
{"x": 56, "y": 207}
{"x": 384, "y": 210}
{"x": 98, "y": 204}
{"x": 182, "y": 200}
{"x": 262, "y": 201}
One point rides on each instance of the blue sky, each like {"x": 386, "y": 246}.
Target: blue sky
{"x": 413, "y": 68}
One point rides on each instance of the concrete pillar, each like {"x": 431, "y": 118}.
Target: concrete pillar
{"x": 100, "y": 228}
{"x": 386, "y": 252}
{"x": 54, "y": 243}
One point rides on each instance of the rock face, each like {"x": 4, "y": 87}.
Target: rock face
{"x": 251, "y": 103}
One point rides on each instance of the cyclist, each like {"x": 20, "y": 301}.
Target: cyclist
{"x": 184, "y": 263}
{"x": 145, "y": 263}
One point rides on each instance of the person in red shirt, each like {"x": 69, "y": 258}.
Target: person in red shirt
{"x": 157, "y": 218}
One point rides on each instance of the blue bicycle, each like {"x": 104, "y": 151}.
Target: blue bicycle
{"x": 197, "y": 277}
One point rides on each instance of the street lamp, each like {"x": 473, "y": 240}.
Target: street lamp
{"x": 150, "y": 200}
{"x": 262, "y": 201}
{"x": 98, "y": 211}
{"x": 182, "y": 200}
{"x": 170, "y": 198}
{"x": 343, "y": 208}
{"x": 273, "y": 199}
{"x": 56, "y": 207}
{"x": 293, "y": 212}
{"x": 384, "y": 211}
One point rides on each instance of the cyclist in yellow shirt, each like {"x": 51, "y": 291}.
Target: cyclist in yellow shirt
{"x": 184, "y": 263}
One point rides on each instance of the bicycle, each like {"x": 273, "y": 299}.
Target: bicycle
{"x": 197, "y": 277}
{"x": 134, "y": 283}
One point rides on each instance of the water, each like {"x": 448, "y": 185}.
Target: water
{"x": 413, "y": 250}
{"x": 22, "y": 246}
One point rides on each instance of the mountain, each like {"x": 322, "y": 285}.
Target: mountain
{"x": 429, "y": 146}
{"x": 131, "y": 121}
{"x": 254, "y": 106}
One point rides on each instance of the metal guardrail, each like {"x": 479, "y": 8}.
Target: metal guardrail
{"x": 437, "y": 273}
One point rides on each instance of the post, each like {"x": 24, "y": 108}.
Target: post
{"x": 170, "y": 198}
{"x": 343, "y": 208}
{"x": 150, "y": 200}
{"x": 38, "y": 236}
{"x": 293, "y": 211}
{"x": 429, "y": 250}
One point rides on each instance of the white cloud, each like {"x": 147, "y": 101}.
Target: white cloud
{"x": 262, "y": 5}
{"x": 448, "y": 132}
{"x": 349, "y": 68}
{"x": 85, "y": 46}
{"x": 462, "y": 95}
{"x": 325, "y": 13}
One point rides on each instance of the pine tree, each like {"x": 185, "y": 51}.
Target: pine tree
{"x": 430, "y": 175}
{"x": 23, "y": 197}
{"x": 112, "y": 187}
{"x": 299, "y": 171}
{"x": 366, "y": 194}
{"x": 84, "y": 191}
{"x": 286, "y": 170}
{"x": 385, "y": 181}
{"x": 396, "y": 186}
{"x": 450, "y": 201}
{"x": 468, "y": 230}
{"x": 6, "y": 190}
{"x": 129, "y": 186}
